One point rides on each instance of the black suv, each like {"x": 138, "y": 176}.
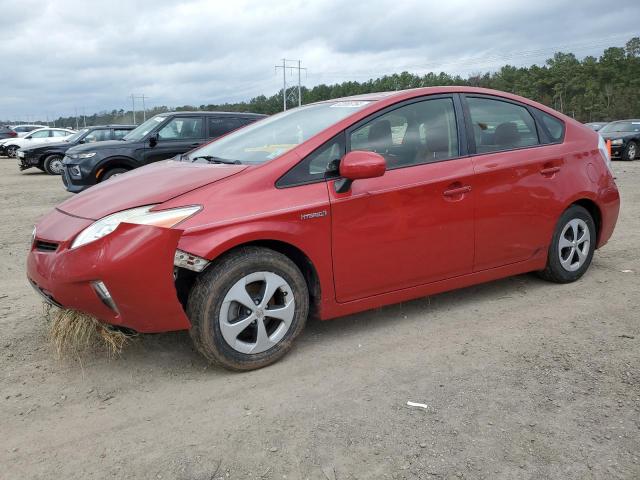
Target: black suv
{"x": 48, "y": 157}
{"x": 161, "y": 137}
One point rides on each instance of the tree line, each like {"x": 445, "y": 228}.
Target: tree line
{"x": 592, "y": 89}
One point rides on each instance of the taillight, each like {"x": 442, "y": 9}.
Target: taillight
{"x": 12, "y": 133}
{"x": 604, "y": 151}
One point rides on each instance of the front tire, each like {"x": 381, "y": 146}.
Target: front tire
{"x": 113, "y": 173}
{"x": 53, "y": 165}
{"x": 248, "y": 308}
{"x": 631, "y": 152}
{"x": 572, "y": 246}
{"x": 11, "y": 151}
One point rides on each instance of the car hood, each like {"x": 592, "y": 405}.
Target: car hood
{"x": 47, "y": 146}
{"x": 155, "y": 183}
{"x": 90, "y": 147}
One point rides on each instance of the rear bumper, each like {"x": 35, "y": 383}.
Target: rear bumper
{"x": 609, "y": 203}
{"x": 135, "y": 263}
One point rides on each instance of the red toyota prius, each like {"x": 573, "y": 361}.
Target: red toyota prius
{"x": 330, "y": 209}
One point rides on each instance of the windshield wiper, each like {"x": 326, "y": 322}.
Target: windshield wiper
{"x": 212, "y": 159}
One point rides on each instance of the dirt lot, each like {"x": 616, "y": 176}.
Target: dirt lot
{"x": 522, "y": 378}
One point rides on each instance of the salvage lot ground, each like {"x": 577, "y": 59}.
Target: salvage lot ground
{"x": 522, "y": 378}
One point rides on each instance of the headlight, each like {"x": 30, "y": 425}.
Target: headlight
{"x": 82, "y": 155}
{"x": 140, "y": 216}
{"x": 617, "y": 141}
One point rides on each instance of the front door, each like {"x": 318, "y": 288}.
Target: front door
{"x": 177, "y": 136}
{"x": 414, "y": 225}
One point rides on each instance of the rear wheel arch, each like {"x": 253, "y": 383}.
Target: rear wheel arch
{"x": 594, "y": 210}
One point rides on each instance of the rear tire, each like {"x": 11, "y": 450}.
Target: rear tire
{"x": 53, "y": 165}
{"x": 248, "y": 308}
{"x": 112, "y": 173}
{"x": 631, "y": 152}
{"x": 572, "y": 246}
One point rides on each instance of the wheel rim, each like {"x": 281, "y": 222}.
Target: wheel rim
{"x": 257, "y": 312}
{"x": 574, "y": 244}
{"x": 11, "y": 151}
{"x": 56, "y": 166}
{"x": 632, "y": 151}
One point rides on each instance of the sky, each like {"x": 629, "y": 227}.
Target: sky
{"x": 57, "y": 56}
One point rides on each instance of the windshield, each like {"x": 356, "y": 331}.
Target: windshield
{"x": 270, "y": 138}
{"x": 622, "y": 127}
{"x": 77, "y": 135}
{"x": 141, "y": 130}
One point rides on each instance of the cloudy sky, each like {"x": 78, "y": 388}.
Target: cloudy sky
{"x": 59, "y": 55}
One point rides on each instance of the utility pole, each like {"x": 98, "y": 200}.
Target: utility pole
{"x": 144, "y": 110}
{"x": 291, "y": 68}
{"x": 84, "y": 118}
{"x": 133, "y": 109}
{"x": 76, "y": 118}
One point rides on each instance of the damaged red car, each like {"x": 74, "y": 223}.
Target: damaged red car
{"x": 330, "y": 209}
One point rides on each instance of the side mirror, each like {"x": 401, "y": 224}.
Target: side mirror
{"x": 153, "y": 140}
{"x": 358, "y": 165}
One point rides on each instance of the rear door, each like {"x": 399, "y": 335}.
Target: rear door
{"x": 413, "y": 225}
{"x": 515, "y": 178}
{"x": 177, "y": 136}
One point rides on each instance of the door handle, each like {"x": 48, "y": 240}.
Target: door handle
{"x": 194, "y": 145}
{"x": 452, "y": 192}
{"x": 549, "y": 171}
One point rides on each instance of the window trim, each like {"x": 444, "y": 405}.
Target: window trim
{"x": 532, "y": 111}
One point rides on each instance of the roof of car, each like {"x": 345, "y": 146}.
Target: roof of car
{"x": 111, "y": 126}
{"x": 207, "y": 112}
{"x": 627, "y": 120}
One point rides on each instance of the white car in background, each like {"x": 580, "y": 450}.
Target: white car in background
{"x": 22, "y": 130}
{"x": 36, "y": 137}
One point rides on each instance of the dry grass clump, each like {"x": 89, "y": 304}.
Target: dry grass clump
{"x": 73, "y": 333}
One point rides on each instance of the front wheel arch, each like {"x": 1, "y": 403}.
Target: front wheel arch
{"x": 111, "y": 163}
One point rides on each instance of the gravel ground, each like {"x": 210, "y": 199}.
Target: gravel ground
{"x": 521, "y": 378}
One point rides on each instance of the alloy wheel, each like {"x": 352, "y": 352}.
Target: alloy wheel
{"x": 574, "y": 244}
{"x": 257, "y": 312}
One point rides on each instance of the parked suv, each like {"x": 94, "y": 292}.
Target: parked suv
{"x": 49, "y": 157}
{"x": 161, "y": 137}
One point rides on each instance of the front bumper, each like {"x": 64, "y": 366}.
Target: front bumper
{"x": 135, "y": 263}
{"x": 616, "y": 151}
{"x": 74, "y": 184}
{"x": 27, "y": 159}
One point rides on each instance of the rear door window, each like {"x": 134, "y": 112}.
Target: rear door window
{"x": 500, "y": 125}
{"x": 218, "y": 126}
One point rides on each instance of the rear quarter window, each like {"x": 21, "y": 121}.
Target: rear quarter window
{"x": 553, "y": 126}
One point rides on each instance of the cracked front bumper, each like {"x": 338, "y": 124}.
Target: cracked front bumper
{"x": 135, "y": 263}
